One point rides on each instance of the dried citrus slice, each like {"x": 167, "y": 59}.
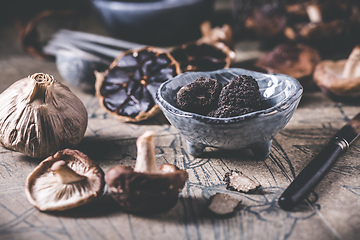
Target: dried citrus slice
{"x": 127, "y": 89}
{"x": 203, "y": 56}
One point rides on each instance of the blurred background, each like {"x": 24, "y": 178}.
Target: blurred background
{"x": 331, "y": 28}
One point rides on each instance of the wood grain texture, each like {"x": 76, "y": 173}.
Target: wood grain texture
{"x": 332, "y": 210}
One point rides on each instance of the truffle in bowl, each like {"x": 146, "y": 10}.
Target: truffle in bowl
{"x": 280, "y": 96}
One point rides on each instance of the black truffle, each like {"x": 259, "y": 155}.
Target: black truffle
{"x": 200, "y": 96}
{"x": 241, "y": 92}
{"x": 237, "y": 181}
{"x": 229, "y": 111}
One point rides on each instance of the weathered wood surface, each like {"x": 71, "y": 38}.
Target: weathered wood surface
{"x": 334, "y": 212}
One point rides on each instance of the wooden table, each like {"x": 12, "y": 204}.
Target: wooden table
{"x": 333, "y": 212}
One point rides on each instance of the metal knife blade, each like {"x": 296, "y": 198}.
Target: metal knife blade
{"x": 311, "y": 175}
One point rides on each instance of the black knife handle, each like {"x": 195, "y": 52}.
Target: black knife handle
{"x": 310, "y": 176}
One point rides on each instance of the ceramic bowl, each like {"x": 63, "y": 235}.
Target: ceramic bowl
{"x": 280, "y": 95}
{"x": 153, "y": 21}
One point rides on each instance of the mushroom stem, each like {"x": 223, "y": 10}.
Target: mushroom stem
{"x": 65, "y": 174}
{"x": 352, "y": 63}
{"x": 145, "y": 160}
{"x": 314, "y": 13}
{"x": 42, "y": 82}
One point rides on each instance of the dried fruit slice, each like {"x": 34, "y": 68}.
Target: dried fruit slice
{"x": 202, "y": 56}
{"x": 127, "y": 89}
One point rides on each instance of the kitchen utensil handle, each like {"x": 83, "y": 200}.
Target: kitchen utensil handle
{"x": 310, "y": 176}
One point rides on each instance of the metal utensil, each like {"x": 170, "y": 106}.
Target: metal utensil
{"x": 311, "y": 175}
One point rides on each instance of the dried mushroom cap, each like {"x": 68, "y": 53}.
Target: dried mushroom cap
{"x": 237, "y": 181}
{"x": 327, "y": 20}
{"x": 223, "y": 204}
{"x": 266, "y": 20}
{"x": 340, "y": 79}
{"x": 295, "y": 60}
{"x": 128, "y": 88}
{"x": 203, "y": 56}
{"x": 146, "y": 188}
{"x": 39, "y": 116}
{"x": 316, "y": 30}
{"x": 66, "y": 180}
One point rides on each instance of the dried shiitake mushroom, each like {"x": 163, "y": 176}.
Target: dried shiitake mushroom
{"x": 66, "y": 180}
{"x": 39, "y": 116}
{"x": 127, "y": 89}
{"x": 340, "y": 79}
{"x": 146, "y": 188}
{"x": 296, "y": 60}
{"x": 326, "y": 21}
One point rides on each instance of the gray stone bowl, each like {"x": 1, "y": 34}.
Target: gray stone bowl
{"x": 153, "y": 21}
{"x": 280, "y": 95}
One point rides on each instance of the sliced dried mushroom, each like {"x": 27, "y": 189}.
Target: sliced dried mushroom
{"x": 146, "y": 188}
{"x": 237, "y": 181}
{"x": 127, "y": 89}
{"x": 203, "y": 56}
{"x": 66, "y": 180}
{"x": 296, "y": 60}
{"x": 223, "y": 204}
{"x": 340, "y": 79}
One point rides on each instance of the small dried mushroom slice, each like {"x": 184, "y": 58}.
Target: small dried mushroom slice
{"x": 66, "y": 180}
{"x": 239, "y": 182}
{"x": 223, "y": 204}
{"x": 128, "y": 88}
{"x": 146, "y": 188}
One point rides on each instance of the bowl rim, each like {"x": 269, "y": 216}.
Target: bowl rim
{"x": 279, "y": 107}
{"x": 147, "y": 6}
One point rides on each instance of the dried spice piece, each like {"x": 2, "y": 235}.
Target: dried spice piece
{"x": 146, "y": 188}
{"x": 64, "y": 181}
{"x": 229, "y": 111}
{"x": 223, "y": 204}
{"x": 241, "y": 92}
{"x": 127, "y": 89}
{"x": 203, "y": 56}
{"x": 237, "y": 181}
{"x": 200, "y": 96}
